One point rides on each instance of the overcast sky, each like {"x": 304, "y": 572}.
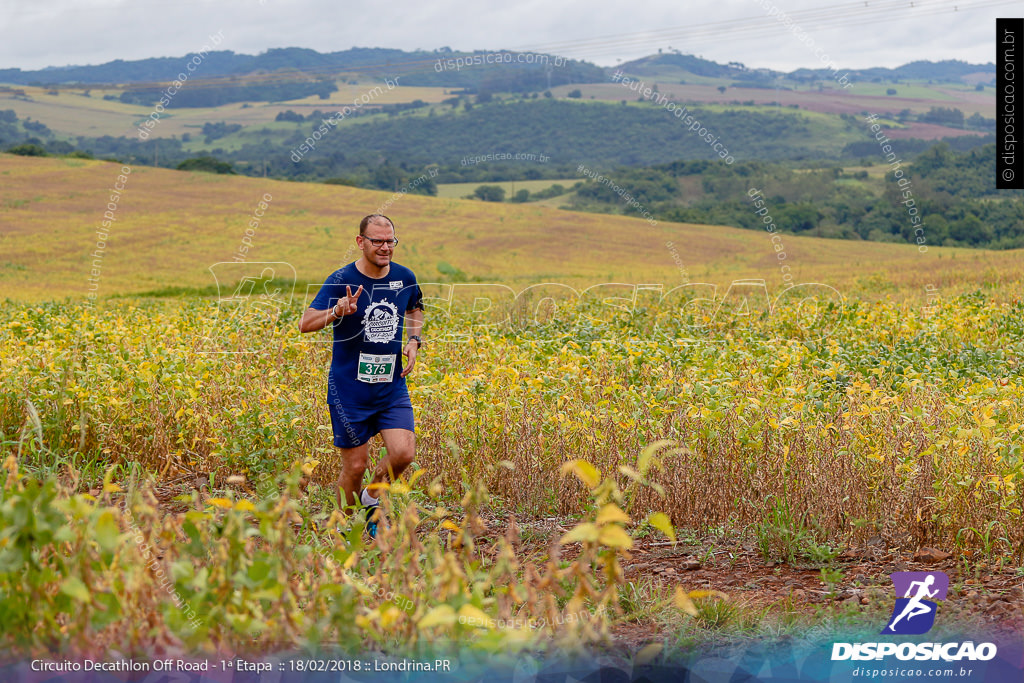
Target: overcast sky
{"x": 40, "y": 33}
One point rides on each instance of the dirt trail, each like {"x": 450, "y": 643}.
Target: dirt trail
{"x": 981, "y": 595}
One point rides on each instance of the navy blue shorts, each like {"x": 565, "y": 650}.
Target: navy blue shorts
{"x": 355, "y": 426}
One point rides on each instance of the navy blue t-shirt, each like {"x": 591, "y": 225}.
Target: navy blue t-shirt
{"x": 366, "y": 361}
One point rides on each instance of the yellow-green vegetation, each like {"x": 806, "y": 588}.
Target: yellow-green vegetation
{"x": 70, "y": 112}
{"x": 114, "y": 573}
{"x": 170, "y": 227}
{"x": 917, "y": 90}
{"x": 168, "y": 465}
{"x": 896, "y": 424}
{"x": 881, "y": 404}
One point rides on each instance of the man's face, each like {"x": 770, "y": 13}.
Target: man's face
{"x": 379, "y": 256}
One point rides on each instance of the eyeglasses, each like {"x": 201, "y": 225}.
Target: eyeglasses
{"x": 377, "y": 244}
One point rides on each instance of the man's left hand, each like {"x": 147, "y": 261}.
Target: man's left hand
{"x": 410, "y": 350}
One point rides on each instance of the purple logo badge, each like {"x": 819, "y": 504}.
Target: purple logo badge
{"x": 916, "y": 593}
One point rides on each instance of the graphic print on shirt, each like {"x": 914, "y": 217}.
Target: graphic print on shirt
{"x": 380, "y": 322}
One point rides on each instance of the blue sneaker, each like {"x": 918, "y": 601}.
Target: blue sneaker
{"x": 373, "y": 516}
{"x": 372, "y": 513}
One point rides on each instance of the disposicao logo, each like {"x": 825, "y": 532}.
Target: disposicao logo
{"x": 914, "y": 614}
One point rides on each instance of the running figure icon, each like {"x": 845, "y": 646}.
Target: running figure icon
{"x": 914, "y": 612}
{"x": 915, "y": 607}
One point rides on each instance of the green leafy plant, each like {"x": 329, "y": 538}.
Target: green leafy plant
{"x": 783, "y": 537}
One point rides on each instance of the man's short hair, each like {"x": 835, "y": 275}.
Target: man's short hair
{"x": 374, "y": 218}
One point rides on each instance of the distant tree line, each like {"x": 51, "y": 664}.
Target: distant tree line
{"x": 203, "y": 95}
{"x": 953, "y": 192}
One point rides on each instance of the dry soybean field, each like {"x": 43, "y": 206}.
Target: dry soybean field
{"x": 634, "y": 469}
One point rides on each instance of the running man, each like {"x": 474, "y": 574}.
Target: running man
{"x": 914, "y": 606}
{"x": 369, "y": 302}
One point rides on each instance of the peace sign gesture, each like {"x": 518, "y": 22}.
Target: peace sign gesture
{"x": 348, "y": 304}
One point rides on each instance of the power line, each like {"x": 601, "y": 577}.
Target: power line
{"x": 834, "y": 16}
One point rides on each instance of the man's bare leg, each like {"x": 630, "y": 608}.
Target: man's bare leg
{"x": 401, "y": 451}
{"x": 350, "y": 481}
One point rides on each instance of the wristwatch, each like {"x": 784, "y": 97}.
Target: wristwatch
{"x": 419, "y": 342}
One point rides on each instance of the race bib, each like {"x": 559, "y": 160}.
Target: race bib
{"x": 374, "y": 368}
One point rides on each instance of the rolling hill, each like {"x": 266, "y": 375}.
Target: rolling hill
{"x": 169, "y": 227}
{"x": 110, "y": 99}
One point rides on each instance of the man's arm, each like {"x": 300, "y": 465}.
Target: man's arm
{"x": 413, "y": 322}
{"x": 313, "y": 319}
{"x": 413, "y": 325}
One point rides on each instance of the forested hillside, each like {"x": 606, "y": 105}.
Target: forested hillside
{"x": 953, "y": 194}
